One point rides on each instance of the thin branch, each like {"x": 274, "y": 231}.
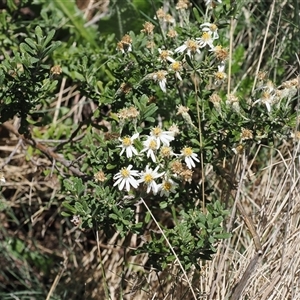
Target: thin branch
{"x": 46, "y": 151}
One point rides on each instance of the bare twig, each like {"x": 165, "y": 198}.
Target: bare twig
{"x": 46, "y": 151}
{"x": 12, "y": 154}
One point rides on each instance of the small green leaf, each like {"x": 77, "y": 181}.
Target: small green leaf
{"x": 150, "y": 119}
{"x": 110, "y": 167}
{"x": 51, "y": 48}
{"x": 65, "y": 214}
{"x": 113, "y": 216}
{"x": 49, "y": 38}
{"x": 39, "y": 34}
{"x": 196, "y": 14}
{"x": 147, "y": 217}
{"x": 195, "y": 141}
{"x": 79, "y": 208}
{"x": 224, "y": 235}
{"x": 31, "y": 43}
{"x": 69, "y": 207}
{"x": 163, "y": 204}
{"x": 150, "y": 110}
{"x": 25, "y": 48}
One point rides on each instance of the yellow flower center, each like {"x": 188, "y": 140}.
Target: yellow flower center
{"x": 127, "y": 142}
{"x": 125, "y": 173}
{"x": 220, "y": 75}
{"x": 160, "y": 75}
{"x": 152, "y": 145}
{"x": 167, "y": 186}
{"x": 148, "y": 178}
{"x": 206, "y": 36}
{"x": 187, "y": 151}
{"x": 265, "y": 96}
{"x": 176, "y": 66}
{"x": 156, "y": 131}
{"x": 164, "y": 54}
{"x": 192, "y": 45}
{"x": 165, "y": 151}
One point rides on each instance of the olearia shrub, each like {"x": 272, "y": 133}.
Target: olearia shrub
{"x": 165, "y": 115}
{"x": 170, "y": 117}
{"x": 155, "y": 142}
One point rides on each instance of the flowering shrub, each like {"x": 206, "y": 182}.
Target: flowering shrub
{"x": 158, "y": 140}
{"x": 165, "y": 115}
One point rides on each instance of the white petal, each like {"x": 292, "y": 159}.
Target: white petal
{"x": 128, "y": 152}
{"x": 122, "y": 184}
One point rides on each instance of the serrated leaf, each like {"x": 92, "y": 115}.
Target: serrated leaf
{"x": 79, "y": 186}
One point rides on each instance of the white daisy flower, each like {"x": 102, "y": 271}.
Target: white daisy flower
{"x": 160, "y": 76}
{"x": 190, "y": 47}
{"x": 166, "y": 152}
{"x": 167, "y": 186}
{"x": 127, "y": 144}
{"x": 176, "y": 67}
{"x": 164, "y": 137}
{"x": 125, "y": 178}
{"x": 165, "y": 55}
{"x": 150, "y": 145}
{"x": 210, "y": 28}
{"x": 189, "y": 157}
{"x": 148, "y": 178}
{"x": 266, "y": 98}
{"x": 220, "y": 76}
{"x": 206, "y": 39}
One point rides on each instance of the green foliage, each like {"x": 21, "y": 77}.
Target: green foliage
{"x": 25, "y": 78}
{"x": 193, "y": 238}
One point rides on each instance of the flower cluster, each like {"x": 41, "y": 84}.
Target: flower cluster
{"x": 159, "y": 153}
{"x": 271, "y": 95}
{"x": 173, "y": 62}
